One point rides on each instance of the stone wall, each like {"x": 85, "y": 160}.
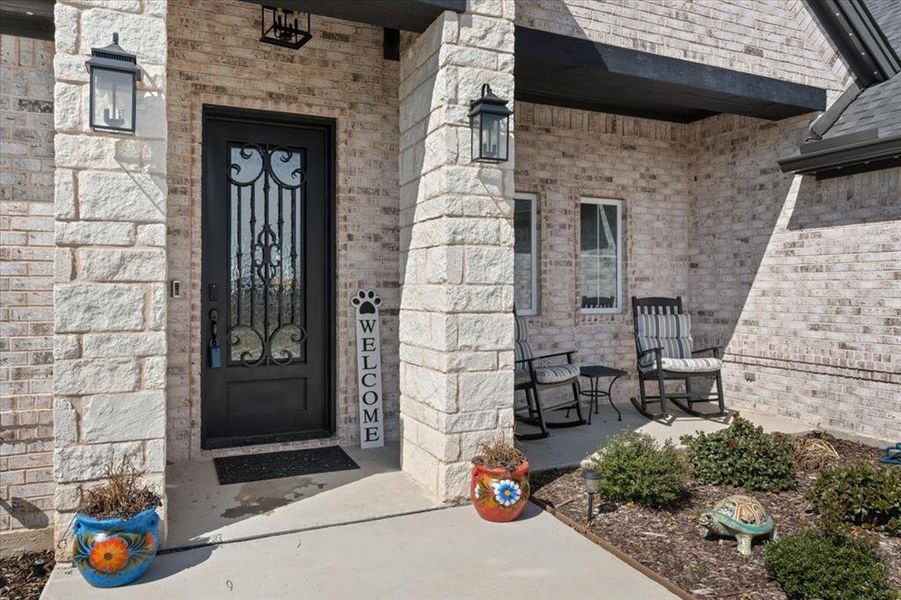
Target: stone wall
{"x": 764, "y": 37}
{"x": 565, "y": 154}
{"x": 796, "y": 278}
{"x": 456, "y": 216}
{"x": 26, "y": 301}
{"x": 109, "y": 293}
{"x": 340, "y": 74}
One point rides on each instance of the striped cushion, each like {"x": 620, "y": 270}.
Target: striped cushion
{"x": 556, "y": 373}
{"x": 691, "y": 365}
{"x": 521, "y": 348}
{"x": 671, "y": 333}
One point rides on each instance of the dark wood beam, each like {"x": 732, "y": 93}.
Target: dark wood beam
{"x": 578, "y": 73}
{"x": 27, "y": 18}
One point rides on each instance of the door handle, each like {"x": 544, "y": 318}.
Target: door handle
{"x": 215, "y": 353}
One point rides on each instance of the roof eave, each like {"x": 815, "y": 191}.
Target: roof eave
{"x": 879, "y": 154}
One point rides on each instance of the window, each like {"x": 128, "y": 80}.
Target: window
{"x": 601, "y": 255}
{"x": 525, "y": 265}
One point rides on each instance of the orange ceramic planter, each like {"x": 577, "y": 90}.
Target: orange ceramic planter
{"x": 499, "y": 495}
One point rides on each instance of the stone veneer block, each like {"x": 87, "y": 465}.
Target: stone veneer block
{"x": 456, "y": 267}
{"x": 111, "y": 194}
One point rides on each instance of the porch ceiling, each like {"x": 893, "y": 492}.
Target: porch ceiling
{"x": 406, "y": 15}
{"x": 566, "y": 71}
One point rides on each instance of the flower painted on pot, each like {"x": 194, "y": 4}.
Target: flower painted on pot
{"x": 506, "y": 492}
{"x": 499, "y": 494}
{"x": 109, "y": 554}
{"x": 114, "y": 552}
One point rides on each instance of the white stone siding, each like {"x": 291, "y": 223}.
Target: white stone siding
{"x": 564, "y": 155}
{"x": 109, "y": 295}
{"x": 797, "y": 278}
{"x": 777, "y": 39}
{"x": 26, "y": 300}
{"x": 456, "y": 325}
{"x": 215, "y": 57}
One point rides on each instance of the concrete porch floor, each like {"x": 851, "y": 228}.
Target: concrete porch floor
{"x": 201, "y": 511}
{"x": 567, "y": 447}
{"x": 447, "y": 553}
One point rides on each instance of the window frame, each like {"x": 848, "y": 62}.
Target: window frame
{"x": 618, "y": 203}
{"x": 533, "y": 214}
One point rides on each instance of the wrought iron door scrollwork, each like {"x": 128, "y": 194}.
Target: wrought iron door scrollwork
{"x": 266, "y": 295}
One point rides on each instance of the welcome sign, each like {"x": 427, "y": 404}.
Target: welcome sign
{"x": 369, "y": 368}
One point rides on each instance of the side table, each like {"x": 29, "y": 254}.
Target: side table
{"x": 595, "y": 373}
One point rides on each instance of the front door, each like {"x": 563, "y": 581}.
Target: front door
{"x": 266, "y": 278}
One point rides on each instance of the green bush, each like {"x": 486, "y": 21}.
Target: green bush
{"x": 741, "y": 455}
{"x": 635, "y": 468}
{"x": 828, "y": 566}
{"x": 860, "y": 494}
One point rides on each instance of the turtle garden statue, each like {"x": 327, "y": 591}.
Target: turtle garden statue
{"x": 741, "y": 517}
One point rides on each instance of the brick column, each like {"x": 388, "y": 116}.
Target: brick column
{"x": 456, "y": 232}
{"x": 109, "y": 295}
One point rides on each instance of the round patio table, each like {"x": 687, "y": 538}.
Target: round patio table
{"x": 595, "y": 373}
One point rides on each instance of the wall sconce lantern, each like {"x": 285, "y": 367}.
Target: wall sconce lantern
{"x": 114, "y": 76}
{"x": 281, "y": 26}
{"x": 489, "y": 121}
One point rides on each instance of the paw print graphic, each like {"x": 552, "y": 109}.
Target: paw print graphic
{"x": 366, "y": 302}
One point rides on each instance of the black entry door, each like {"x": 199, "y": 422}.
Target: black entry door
{"x": 267, "y": 276}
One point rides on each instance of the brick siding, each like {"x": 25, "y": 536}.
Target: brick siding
{"x": 563, "y": 155}
{"x": 775, "y": 39}
{"x": 340, "y": 74}
{"x": 796, "y": 278}
{"x": 26, "y": 281}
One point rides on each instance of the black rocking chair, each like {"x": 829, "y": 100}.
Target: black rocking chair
{"x": 664, "y": 353}
{"x": 533, "y": 374}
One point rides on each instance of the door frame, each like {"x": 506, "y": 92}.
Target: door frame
{"x": 219, "y": 113}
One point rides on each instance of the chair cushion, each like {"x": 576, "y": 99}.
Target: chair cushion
{"x": 688, "y": 365}
{"x": 671, "y": 333}
{"x": 556, "y": 373}
{"x": 521, "y": 348}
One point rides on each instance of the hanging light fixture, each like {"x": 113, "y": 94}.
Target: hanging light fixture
{"x": 282, "y": 27}
{"x": 114, "y": 76}
{"x": 489, "y": 121}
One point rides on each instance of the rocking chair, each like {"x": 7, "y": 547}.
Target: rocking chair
{"x": 663, "y": 346}
{"x": 532, "y": 375}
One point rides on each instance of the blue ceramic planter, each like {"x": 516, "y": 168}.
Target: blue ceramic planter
{"x": 114, "y": 552}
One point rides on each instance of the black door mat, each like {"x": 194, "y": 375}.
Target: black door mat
{"x": 275, "y": 465}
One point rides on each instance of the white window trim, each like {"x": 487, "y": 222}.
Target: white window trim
{"x": 619, "y": 256}
{"x": 533, "y": 203}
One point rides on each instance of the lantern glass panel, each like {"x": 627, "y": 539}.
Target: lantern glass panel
{"x": 493, "y": 137}
{"x": 113, "y": 101}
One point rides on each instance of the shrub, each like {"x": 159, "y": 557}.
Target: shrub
{"x": 827, "y": 566}
{"x": 741, "y": 455}
{"x": 860, "y": 494}
{"x": 635, "y": 468}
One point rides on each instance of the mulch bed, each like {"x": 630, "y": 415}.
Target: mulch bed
{"x": 17, "y": 582}
{"x": 670, "y": 542}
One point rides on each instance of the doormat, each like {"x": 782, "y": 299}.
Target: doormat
{"x": 275, "y": 465}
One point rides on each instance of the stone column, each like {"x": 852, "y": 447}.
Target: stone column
{"x": 109, "y": 296}
{"x": 456, "y": 232}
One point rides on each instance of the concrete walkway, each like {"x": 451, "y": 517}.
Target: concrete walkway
{"x": 446, "y": 553}
{"x": 567, "y": 447}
